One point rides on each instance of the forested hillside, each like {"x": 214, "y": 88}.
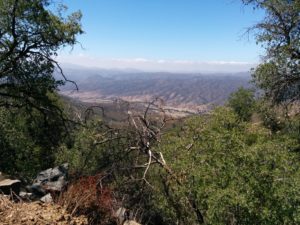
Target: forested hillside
{"x": 237, "y": 164}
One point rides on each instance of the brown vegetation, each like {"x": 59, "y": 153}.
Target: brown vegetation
{"x": 36, "y": 213}
{"x": 87, "y": 197}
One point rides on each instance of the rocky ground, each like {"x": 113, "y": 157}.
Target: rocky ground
{"x": 35, "y": 213}
{"x": 33, "y": 203}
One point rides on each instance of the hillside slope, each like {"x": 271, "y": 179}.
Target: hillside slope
{"x": 194, "y": 92}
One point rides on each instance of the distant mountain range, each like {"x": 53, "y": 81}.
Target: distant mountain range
{"x": 189, "y": 92}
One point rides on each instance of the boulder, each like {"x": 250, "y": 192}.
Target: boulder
{"x": 47, "y": 198}
{"x": 56, "y": 186}
{"x": 44, "y": 176}
{"x": 50, "y": 180}
{"x": 25, "y": 195}
{"x": 121, "y": 214}
{"x": 52, "y": 175}
{"x": 8, "y": 186}
{"x": 36, "y": 190}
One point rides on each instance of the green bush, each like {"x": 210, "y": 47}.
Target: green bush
{"x": 236, "y": 172}
{"x": 28, "y": 141}
{"x": 243, "y": 103}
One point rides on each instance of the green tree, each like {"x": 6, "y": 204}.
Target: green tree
{"x": 29, "y": 140}
{"x": 279, "y": 33}
{"x": 30, "y": 35}
{"x": 243, "y": 103}
{"x": 32, "y": 119}
{"x": 235, "y": 172}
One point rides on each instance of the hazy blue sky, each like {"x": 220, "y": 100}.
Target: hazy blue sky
{"x": 165, "y": 34}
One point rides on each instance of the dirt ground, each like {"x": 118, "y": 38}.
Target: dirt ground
{"x": 36, "y": 213}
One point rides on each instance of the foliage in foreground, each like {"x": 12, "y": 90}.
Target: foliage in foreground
{"x": 279, "y": 33}
{"x": 220, "y": 168}
{"x": 32, "y": 123}
{"x": 237, "y": 172}
{"x": 29, "y": 139}
{"x": 31, "y": 34}
{"x": 85, "y": 196}
{"x": 228, "y": 170}
{"x": 243, "y": 103}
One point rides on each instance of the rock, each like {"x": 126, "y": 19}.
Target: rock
{"x": 120, "y": 214}
{"x": 56, "y": 185}
{"x": 52, "y": 175}
{"x": 47, "y": 198}
{"x": 25, "y": 195}
{"x": 43, "y": 176}
{"x": 7, "y": 186}
{"x": 53, "y": 179}
{"x": 36, "y": 189}
{"x": 131, "y": 222}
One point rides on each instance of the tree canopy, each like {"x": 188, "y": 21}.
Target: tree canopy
{"x": 31, "y": 113}
{"x": 279, "y": 34}
{"x": 30, "y": 35}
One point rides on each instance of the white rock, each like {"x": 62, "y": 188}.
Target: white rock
{"x": 7, "y": 186}
{"x": 25, "y": 195}
{"x": 47, "y": 198}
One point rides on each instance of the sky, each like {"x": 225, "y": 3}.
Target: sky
{"x": 165, "y": 35}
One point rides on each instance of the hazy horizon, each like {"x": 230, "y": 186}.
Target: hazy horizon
{"x": 153, "y": 66}
{"x": 166, "y": 36}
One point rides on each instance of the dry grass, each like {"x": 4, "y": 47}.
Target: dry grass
{"x": 85, "y": 197}
{"x": 5, "y": 205}
{"x": 12, "y": 213}
{"x": 84, "y": 202}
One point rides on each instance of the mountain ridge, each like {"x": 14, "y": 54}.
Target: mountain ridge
{"x": 185, "y": 91}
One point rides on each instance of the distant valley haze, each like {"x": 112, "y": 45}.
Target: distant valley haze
{"x": 161, "y": 65}
{"x": 192, "y": 54}
{"x": 188, "y": 92}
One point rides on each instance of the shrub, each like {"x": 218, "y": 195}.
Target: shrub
{"x": 85, "y": 196}
{"x": 243, "y": 103}
{"x": 236, "y": 172}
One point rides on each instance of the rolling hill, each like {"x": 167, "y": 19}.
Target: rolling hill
{"x": 180, "y": 92}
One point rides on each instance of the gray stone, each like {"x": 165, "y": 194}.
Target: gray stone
{"x": 123, "y": 214}
{"x": 53, "y": 179}
{"x": 25, "y": 195}
{"x": 8, "y": 186}
{"x": 52, "y": 175}
{"x": 55, "y": 185}
{"x": 47, "y": 198}
{"x": 120, "y": 214}
{"x": 43, "y": 176}
{"x": 36, "y": 189}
